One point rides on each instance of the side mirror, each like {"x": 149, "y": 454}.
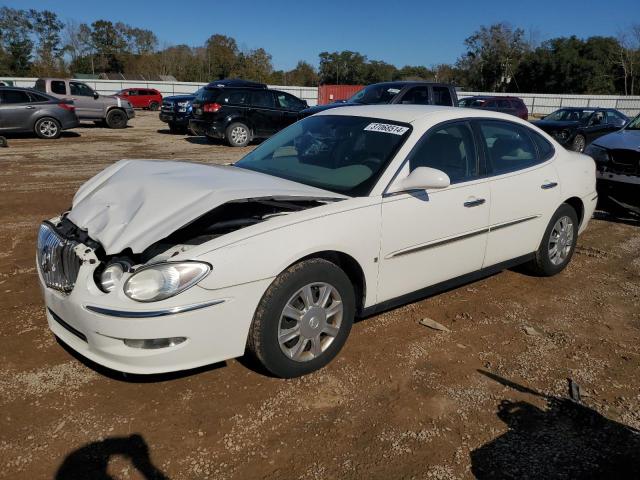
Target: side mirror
{"x": 422, "y": 178}
{"x": 96, "y": 95}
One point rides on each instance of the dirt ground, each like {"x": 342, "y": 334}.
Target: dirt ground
{"x": 488, "y": 399}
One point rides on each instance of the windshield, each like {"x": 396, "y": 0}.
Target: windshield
{"x": 342, "y": 154}
{"x": 380, "y": 93}
{"x": 569, "y": 115}
{"x": 634, "y": 124}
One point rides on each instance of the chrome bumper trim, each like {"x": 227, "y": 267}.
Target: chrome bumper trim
{"x": 151, "y": 313}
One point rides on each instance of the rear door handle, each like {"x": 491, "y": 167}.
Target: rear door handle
{"x": 474, "y": 203}
{"x": 30, "y": 107}
{"x": 547, "y": 186}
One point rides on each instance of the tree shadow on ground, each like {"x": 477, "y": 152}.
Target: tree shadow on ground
{"x": 567, "y": 440}
{"x": 91, "y": 461}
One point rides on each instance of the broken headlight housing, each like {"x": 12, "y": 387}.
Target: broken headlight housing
{"x": 599, "y": 154}
{"x": 163, "y": 280}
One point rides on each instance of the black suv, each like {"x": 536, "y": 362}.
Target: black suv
{"x": 239, "y": 111}
{"x": 418, "y": 93}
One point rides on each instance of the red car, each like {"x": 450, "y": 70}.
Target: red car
{"x": 142, "y": 97}
{"x": 511, "y": 105}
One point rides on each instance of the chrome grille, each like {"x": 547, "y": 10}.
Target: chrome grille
{"x": 57, "y": 260}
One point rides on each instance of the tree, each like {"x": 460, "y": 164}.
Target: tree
{"x": 110, "y": 42}
{"x": 493, "y": 55}
{"x": 47, "y": 27}
{"x": 15, "y": 31}
{"x": 221, "y": 54}
{"x": 303, "y": 74}
{"x": 415, "y": 72}
{"x": 344, "y": 67}
{"x": 254, "y": 65}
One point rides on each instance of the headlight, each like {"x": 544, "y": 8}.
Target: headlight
{"x": 599, "y": 154}
{"x": 110, "y": 277}
{"x": 164, "y": 280}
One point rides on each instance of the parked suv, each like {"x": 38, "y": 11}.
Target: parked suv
{"x": 90, "y": 105}
{"x": 141, "y": 97}
{"x": 239, "y": 111}
{"x": 419, "y": 93}
{"x": 511, "y": 105}
{"x": 176, "y": 111}
{"x": 24, "y": 110}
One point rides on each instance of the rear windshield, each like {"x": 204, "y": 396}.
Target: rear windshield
{"x": 208, "y": 94}
{"x": 374, "y": 94}
{"x": 343, "y": 154}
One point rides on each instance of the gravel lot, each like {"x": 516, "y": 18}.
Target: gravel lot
{"x": 486, "y": 400}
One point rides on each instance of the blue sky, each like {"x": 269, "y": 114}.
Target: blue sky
{"x": 416, "y": 33}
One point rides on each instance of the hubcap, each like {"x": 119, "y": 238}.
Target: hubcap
{"x": 239, "y": 135}
{"x": 310, "y": 321}
{"x": 561, "y": 240}
{"x": 48, "y": 128}
{"x": 579, "y": 143}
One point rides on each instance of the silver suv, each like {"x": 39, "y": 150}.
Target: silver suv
{"x": 90, "y": 105}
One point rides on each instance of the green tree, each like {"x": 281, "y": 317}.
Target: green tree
{"x": 47, "y": 28}
{"x": 15, "y": 31}
{"x": 344, "y": 67}
{"x": 221, "y": 56}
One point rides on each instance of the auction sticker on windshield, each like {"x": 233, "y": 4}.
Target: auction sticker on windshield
{"x": 386, "y": 128}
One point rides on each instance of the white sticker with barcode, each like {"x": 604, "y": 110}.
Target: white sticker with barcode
{"x": 386, "y": 128}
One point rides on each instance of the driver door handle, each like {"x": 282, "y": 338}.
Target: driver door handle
{"x": 547, "y": 186}
{"x": 30, "y": 107}
{"x": 474, "y": 203}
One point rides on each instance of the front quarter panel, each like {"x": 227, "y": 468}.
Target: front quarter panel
{"x": 354, "y": 231}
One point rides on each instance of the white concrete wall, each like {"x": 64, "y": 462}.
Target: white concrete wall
{"x": 108, "y": 87}
{"x": 537, "y": 103}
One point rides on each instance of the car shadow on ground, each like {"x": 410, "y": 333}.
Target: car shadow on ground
{"x": 92, "y": 460}
{"x": 565, "y": 440}
{"x": 625, "y": 218}
{"x": 137, "y": 378}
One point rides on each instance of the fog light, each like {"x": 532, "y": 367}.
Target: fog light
{"x": 153, "y": 343}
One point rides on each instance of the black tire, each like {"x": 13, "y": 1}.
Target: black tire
{"x": 263, "y": 340}
{"x": 238, "y": 135}
{"x": 543, "y": 264}
{"x": 579, "y": 143}
{"x": 153, "y": 106}
{"x": 116, "y": 118}
{"x": 48, "y": 128}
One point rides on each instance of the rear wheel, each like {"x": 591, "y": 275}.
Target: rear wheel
{"x": 153, "y": 106}
{"x": 558, "y": 243}
{"x": 238, "y": 135}
{"x": 303, "y": 319}
{"x": 48, "y": 127}
{"x": 116, "y": 118}
{"x": 579, "y": 142}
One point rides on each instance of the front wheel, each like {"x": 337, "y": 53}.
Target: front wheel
{"x": 48, "y": 127}
{"x": 558, "y": 243}
{"x": 579, "y": 142}
{"x": 153, "y": 106}
{"x": 303, "y": 319}
{"x": 116, "y": 119}
{"x": 238, "y": 135}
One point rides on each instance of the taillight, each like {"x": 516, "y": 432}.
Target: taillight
{"x": 211, "y": 107}
{"x": 67, "y": 106}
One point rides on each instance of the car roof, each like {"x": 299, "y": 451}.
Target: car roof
{"x": 416, "y": 113}
{"x": 405, "y": 83}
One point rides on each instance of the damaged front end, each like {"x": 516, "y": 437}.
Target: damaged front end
{"x": 156, "y": 276}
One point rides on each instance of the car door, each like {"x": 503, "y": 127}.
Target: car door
{"x": 263, "y": 114}
{"x": 525, "y": 189}
{"x": 428, "y": 237}
{"x": 416, "y": 96}
{"x": 441, "y": 96}
{"x": 596, "y": 126}
{"x": 289, "y": 107}
{"x": 87, "y": 106}
{"x": 16, "y": 110}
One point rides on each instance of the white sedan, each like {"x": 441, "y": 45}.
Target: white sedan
{"x": 162, "y": 266}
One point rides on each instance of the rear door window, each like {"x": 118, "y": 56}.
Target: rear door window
{"x": 442, "y": 96}
{"x": 234, "y": 97}
{"x": 288, "y": 101}
{"x": 262, "y": 98}
{"x": 416, "y": 96}
{"x": 58, "y": 87}
{"x": 14, "y": 96}
{"x": 208, "y": 94}
{"x": 509, "y": 146}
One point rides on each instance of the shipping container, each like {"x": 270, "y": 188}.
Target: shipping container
{"x": 333, "y": 93}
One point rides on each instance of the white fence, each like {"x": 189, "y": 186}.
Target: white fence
{"x": 537, "y": 103}
{"x": 109, "y": 87}
{"x": 543, "y": 103}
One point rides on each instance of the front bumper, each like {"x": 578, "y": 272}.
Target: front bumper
{"x": 214, "y": 332}
{"x": 176, "y": 118}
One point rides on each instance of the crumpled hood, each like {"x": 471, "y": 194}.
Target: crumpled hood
{"x": 625, "y": 139}
{"x": 135, "y": 203}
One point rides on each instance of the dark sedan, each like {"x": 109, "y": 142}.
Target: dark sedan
{"x": 577, "y": 127}
{"x": 419, "y": 93}
{"x": 24, "y": 110}
{"x": 617, "y": 158}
